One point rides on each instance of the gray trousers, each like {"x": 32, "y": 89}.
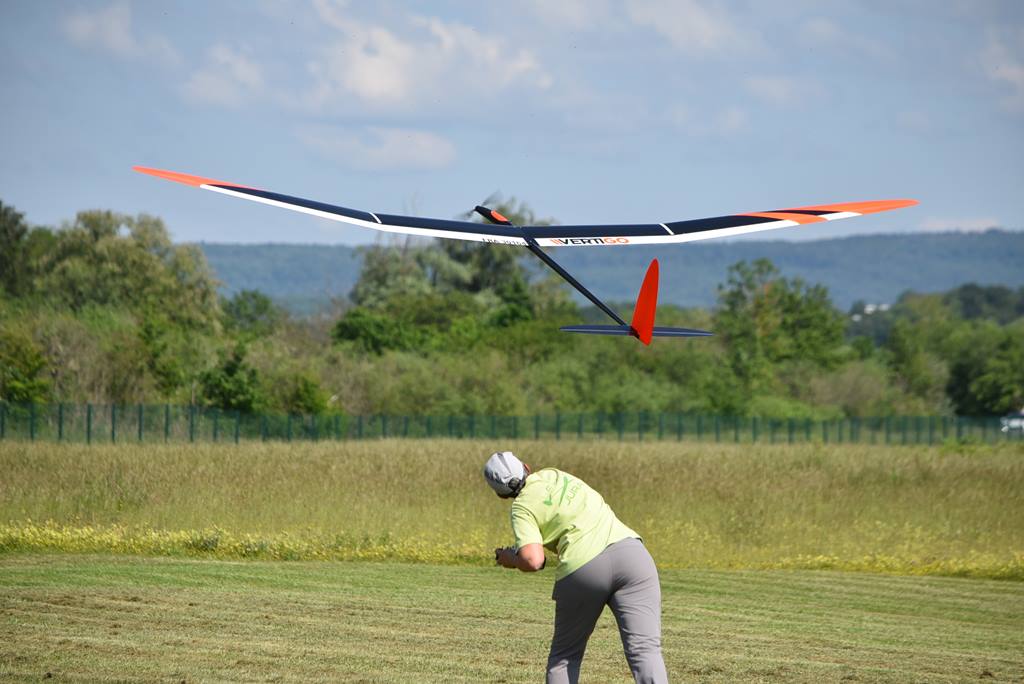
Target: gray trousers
{"x": 623, "y": 577}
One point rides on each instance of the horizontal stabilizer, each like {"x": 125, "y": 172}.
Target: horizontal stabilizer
{"x": 657, "y": 331}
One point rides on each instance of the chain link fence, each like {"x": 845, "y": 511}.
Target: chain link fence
{"x": 102, "y": 423}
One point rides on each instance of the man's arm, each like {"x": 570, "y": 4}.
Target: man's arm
{"x": 530, "y": 558}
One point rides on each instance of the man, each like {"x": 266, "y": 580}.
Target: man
{"x": 600, "y": 562}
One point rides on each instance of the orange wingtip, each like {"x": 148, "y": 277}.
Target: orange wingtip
{"x": 783, "y": 216}
{"x": 861, "y": 207}
{"x": 498, "y": 217}
{"x": 185, "y": 178}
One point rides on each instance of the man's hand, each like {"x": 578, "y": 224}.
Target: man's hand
{"x": 530, "y": 558}
{"x": 506, "y": 557}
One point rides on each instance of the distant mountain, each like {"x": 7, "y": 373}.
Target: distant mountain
{"x": 873, "y": 268}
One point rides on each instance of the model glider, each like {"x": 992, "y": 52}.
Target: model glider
{"x": 499, "y": 230}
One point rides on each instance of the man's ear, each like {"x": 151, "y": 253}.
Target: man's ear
{"x": 528, "y": 468}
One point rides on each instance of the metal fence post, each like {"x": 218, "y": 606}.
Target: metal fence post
{"x": 32, "y": 421}
{"x": 289, "y": 427}
{"x": 3, "y": 420}
{"x": 141, "y": 419}
{"x": 191, "y": 423}
{"x": 558, "y": 425}
{"x": 216, "y": 425}
{"x": 60, "y": 422}
{"x": 167, "y": 422}
{"x": 88, "y": 423}
{"x": 238, "y": 421}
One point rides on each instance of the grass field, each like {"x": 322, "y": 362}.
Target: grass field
{"x": 913, "y": 510}
{"x": 96, "y": 618}
{"x": 127, "y": 563}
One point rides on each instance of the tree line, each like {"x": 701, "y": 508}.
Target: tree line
{"x": 106, "y": 309}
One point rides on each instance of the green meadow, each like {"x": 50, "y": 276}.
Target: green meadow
{"x": 803, "y": 563}
{"x": 946, "y": 510}
{"x": 105, "y": 618}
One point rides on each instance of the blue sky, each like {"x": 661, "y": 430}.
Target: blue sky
{"x": 591, "y": 112}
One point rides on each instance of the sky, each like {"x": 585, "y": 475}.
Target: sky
{"x": 589, "y": 111}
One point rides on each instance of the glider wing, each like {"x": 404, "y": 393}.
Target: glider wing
{"x": 501, "y": 232}
{"x": 411, "y": 225}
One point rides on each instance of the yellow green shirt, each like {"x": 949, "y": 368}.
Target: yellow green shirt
{"x": 568, "y": 517}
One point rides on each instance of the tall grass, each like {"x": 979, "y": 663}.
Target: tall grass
{"x": 953, "y": 511}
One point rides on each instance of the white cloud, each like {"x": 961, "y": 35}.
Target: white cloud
{"x": 228, "y": 78}
{"x": 780, "y": 91}
{"x": 429, "y": 61}
{"x": 966, "y": 225}
{"x": 824, "y": 32}
{"x": 379, "y": 149}
{"x": 691, "y": 26}
{"x": 570, "y": 14}
{"x": 730, "y": 121}
{"x": 110, "y": 29}
{"x": 1003, "y": 61}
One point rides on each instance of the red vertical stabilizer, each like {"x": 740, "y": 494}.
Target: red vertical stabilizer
{"x": 642, "y": 324}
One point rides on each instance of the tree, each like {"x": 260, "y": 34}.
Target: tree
{"x": 112, "y": 259}
{"x": 375, "y": 332}
{"x": 305, "y": 396}
{"x": 997, "y": 302}
{"x": 920, "y": 372}
{"x": 252, "y": 314}
{"x": 987, "y": 372}
{"x": 232, "y": 385}
{"x": 13, "y": 233}
{"x": 388, "y": 274}
{"x": 21, "y": 370}
{"x": 766, "y": 319}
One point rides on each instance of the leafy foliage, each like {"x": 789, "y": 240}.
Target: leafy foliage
{"x": 233, "y": 384}
{"x": 108, "y": 310}
{"x": 21, "y": 369}
{"x": 252, "y": 314}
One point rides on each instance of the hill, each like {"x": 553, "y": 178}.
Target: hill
{"x": 873, "y": 268}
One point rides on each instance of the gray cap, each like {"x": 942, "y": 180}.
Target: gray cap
{"x": 505, "y": 473}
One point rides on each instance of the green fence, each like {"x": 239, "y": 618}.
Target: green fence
{"x": 94, "y": 423}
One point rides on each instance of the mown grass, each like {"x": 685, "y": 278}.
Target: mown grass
{"x": 952, "y": 511}
{"x": 103, "y": 618}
